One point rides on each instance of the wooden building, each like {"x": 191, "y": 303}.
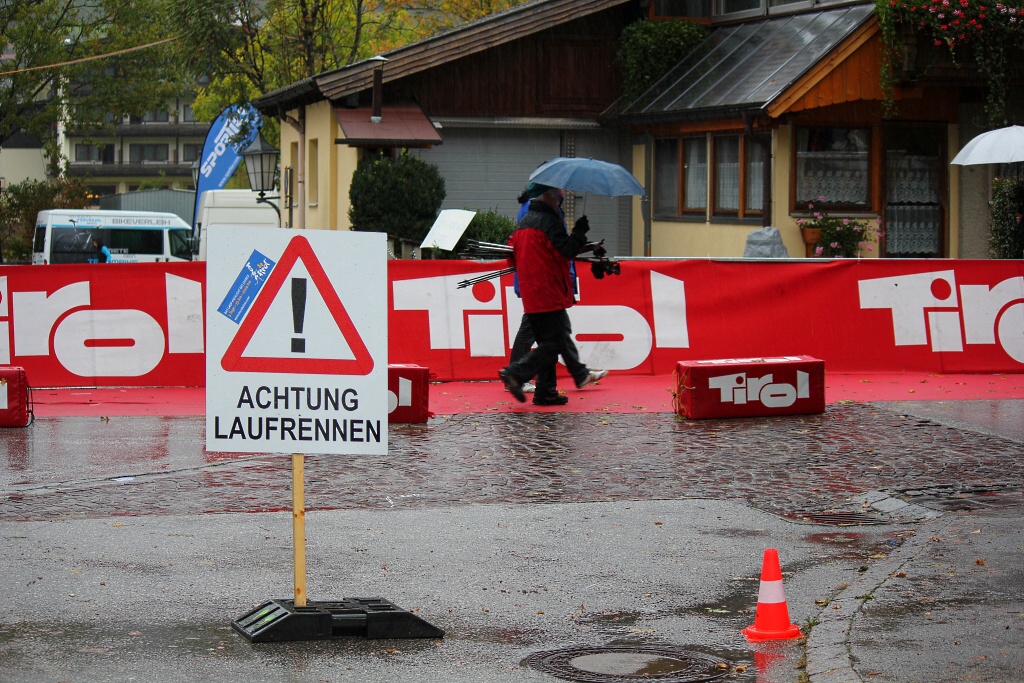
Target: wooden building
{"x": 781, "y": 105}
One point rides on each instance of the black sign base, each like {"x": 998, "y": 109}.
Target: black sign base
{"x": 278, "y": 621}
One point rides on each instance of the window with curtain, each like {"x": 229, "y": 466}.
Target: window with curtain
{"x": 681, "y": 183}
{"x": 695, "y": 174}
{"x": 754, "y": 164}
{"x": 666, "y": 177}
{"x": 680, "y": 8}
{"x": 832, "y": 167}
{"x": 739, "y": 7}
{"x": 191, "y": 151}
{"x": 727, "y": 174}
{"x": 143, "y": 153}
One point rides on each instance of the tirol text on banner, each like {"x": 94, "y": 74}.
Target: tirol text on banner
{"x": 233, "y": 131}
{"x": 297, "y": 364}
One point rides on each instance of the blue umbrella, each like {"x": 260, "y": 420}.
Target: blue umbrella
{"x": 588, "y": 176}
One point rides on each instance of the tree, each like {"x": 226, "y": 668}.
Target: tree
{"x": 92, "y": 63}
{"x": 400, "y": 197}
{"x": 251, "y": 47}
{"x": 1004, "y": 239}
{"x": 434, "y": 16}
{"x": 21, "y": 202}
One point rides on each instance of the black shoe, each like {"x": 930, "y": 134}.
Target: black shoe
{"x": 549, "y": 400}
{"x": 514, "y": 386}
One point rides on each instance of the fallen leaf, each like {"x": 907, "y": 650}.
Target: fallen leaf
{"x": 979, "y": 561}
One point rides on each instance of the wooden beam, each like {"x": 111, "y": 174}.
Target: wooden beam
{"x": 802, "y": 91}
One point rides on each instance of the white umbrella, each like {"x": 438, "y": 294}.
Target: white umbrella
{"x": 1000, "y": 146}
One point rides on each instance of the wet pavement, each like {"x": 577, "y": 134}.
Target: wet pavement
{"x": 127, "y": 549}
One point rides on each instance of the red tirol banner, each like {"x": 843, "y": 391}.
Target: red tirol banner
{"x": 142, "y": 324}
{"x": 128, "y": 324}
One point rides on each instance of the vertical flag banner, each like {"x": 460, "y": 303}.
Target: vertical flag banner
{"x": 224, "y": 144}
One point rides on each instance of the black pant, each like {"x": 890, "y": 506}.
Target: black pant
{"x": 523, "y": 341}
{"x": 553, "y": 332}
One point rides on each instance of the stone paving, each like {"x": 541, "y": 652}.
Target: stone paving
{"x": 790, "y": 465}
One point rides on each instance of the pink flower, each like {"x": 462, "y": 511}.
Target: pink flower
{"x": 818, "y": 251}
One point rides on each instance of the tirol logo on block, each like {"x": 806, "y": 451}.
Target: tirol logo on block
{"x": 743, "y": 387}
{"x": 408, "y": 393}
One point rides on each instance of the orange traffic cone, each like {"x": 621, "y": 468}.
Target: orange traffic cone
{"x": 771, "y": 621}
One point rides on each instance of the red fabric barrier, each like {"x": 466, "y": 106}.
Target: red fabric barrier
{"x": 130, "y": 324}
{"x": 871, "y": 315}
{"x": 15, "y": 397}
{"x": 142, "y": 324}
{"x": 745, "y": 387}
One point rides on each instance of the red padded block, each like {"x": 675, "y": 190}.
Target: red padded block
{"x": 408, "y": 393}
{"x": 15, "y": 401}
{"x": 745, "y": 387}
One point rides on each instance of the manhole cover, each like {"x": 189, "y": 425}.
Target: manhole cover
{"x": 628, "y": 663}
{"x": 841, "y": 518}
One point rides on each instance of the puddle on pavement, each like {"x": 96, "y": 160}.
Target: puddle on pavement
{"x": 853, "y": 545}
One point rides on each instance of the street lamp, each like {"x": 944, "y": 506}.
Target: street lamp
{"x": 261, "y": 167}
{"x": 195, "y": 174}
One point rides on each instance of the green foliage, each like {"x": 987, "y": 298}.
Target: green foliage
{"x": 486, "y": 226}
{"x": 490, "y": 226}
{"x": 1004, "y": 239}
{"x": 64, "y": 60}
{"x": 434, "y": 16}
{"x": 989, "y": 33}
{"x": 840, "y": 237}
{"x": 250, "y": 47}
{"x": 246, "y": 48}
{"x": 157, "y": 183}
{"x": 648, "y": 49}
{"x": 19, "y": 204}
{"x": 400, "y": 197}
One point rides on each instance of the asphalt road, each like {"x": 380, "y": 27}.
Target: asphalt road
{"x": 127, "y": 550}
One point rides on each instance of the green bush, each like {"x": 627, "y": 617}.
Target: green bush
{"x": 21, "y": 202}
{"x": 486, "y": 226}
{"x": 1004, "y": 239}
{"x": 648, "y": 49}
{"x": 400, "y": 197}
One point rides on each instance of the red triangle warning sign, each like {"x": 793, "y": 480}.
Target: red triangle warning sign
{"x": 298, "y": 249}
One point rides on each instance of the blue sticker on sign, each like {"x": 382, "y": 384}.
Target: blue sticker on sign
{"x": 247, "y": 285}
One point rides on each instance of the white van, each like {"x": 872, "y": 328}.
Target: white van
{"x": 66, "y": 236}
{"x": 232, "y": 208}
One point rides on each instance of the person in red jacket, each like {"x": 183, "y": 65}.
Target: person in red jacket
{"x": 541, "y": 251}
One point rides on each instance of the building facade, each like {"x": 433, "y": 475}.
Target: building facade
{"x": 154, "y": 151}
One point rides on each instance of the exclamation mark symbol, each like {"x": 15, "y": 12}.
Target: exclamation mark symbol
{"x": 298, "y": 312}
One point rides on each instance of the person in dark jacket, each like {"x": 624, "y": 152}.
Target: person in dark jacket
{"x": 541, "y": 253}
{"x": 103, "y": 251}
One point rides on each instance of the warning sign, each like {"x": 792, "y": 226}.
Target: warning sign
{"x": 297, "y": 341}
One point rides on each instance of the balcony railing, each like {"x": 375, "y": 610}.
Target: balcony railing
{"x": 143, "y": 168}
